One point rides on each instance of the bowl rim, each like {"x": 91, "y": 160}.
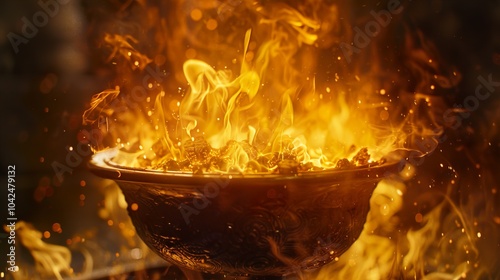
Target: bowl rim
{"x": 101, "y": 165}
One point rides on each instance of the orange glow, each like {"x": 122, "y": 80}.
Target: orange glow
{"x": 211, "y": 24}
{"x": 196, "y": 14}
{"x": 418, "y": 218}
{"x": 56, "y": 227}
{"x": 134, "y": 207}
{"x": 48, "y": 83}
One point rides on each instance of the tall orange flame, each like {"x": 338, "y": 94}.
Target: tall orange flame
{"x": 277, "y": 102}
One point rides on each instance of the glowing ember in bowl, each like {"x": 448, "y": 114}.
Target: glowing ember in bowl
{"x": 246, "y": 224}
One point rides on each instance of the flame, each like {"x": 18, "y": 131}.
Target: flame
{"x": 259, "y": 82}
{"x": 372, "y": 255}
{"x": 120, "y": 253}
{"x": 122, "y": 46}
{"x": 441, "y": 248}
{"x": 251, "y": 94}
{"x": 50, "y": 260}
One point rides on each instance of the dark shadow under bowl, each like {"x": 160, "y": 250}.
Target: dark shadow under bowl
{"x": 246, "y": 224}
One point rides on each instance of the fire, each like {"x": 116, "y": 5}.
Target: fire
{"x": 437, "y": 249}
{"x": 50, "y": 260}
{"x": 254, "y": 94}
{"x": 258, "y": 81}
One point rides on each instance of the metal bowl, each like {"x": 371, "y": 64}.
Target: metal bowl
{"x": 246, "y": 224}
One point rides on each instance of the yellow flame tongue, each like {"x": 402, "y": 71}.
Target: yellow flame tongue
{"x": 256, "y": 98}
{"x": 222, "y": 107}
{"x": 50, "y": 260}
{"x": 256, "y": 108}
